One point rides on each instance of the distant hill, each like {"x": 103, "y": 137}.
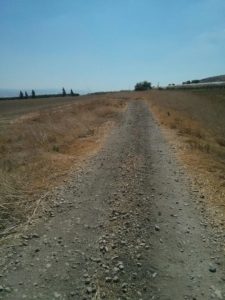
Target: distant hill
{"x": 220, "y": 78}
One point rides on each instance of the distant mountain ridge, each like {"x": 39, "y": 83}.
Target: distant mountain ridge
{"x": 220, "y": 78}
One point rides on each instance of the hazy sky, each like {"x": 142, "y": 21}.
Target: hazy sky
{"x": 109, "y": 44}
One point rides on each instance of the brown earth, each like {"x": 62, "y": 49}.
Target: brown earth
{"x": 126, "y": 225}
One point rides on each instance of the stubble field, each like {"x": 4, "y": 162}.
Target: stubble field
{"x": 42, "y": 139}
{"x": 194, "y": 123}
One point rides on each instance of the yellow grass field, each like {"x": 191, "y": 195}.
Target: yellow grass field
{"x": 193, "y": 121}
{"x": 40, "y": 141}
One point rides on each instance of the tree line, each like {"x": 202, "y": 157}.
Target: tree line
{"x": 24, "y": 95}
{"x": 191, "y": 81}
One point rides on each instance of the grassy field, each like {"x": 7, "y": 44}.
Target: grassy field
{"x": 11, "y": 109}
{"x": 195, "y": 124}
{"x": 40, "y": 140}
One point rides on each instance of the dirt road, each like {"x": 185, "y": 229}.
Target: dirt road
{"x": 125, "y": 227}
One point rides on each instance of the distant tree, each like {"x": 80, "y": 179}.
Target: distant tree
{"x": 186, "y": 82}
{"x": 63, "y": 92}
{"x": 26, "y": 95}
{"x": 21, "y": 95}
{"x": 71, "y": 92}
{"x": 195, "y": 81}
{"x": 143, "y": 86}
{"x": 33, "y": 94}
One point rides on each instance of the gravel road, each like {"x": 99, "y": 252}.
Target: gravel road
{"x": 126, "y": 226}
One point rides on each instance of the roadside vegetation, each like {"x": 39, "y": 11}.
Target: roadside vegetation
{"x": 41, "y": 139}
{"x": 195, "y": 124}
{"x": 38, "y": 148}
{"x": 143, "y": 86}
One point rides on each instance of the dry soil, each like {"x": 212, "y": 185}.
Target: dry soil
{"x": 126, "y": 226}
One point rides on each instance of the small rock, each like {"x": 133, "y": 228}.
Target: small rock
{"x": 218, "y": 294}
{"x": 89, "y": 290}
{"x": 121, "y": 266}
{"x": 108, "y": 279}
{"x": 212, "y": 269}
{"x": 115, "y": 270}
{"x": 157, "y": 228}
{"x": 57, "y": 295}
{"x": 35, "y": 235}
{"x": 115, "y": 279}
{"x": 138, "y": 256}
{"x": 113, "y": 246}
{"x": 8, "y": 289}
{"x": 139, "y": 265}
{"x": 87, "y": 280}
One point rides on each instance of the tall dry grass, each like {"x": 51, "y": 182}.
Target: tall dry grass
{"x": 38, "y": 149}
{"x": 195, "y": 123}
{"x": 197, "y": 120}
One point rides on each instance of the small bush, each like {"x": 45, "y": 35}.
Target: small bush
{"x": 55, "y": 148}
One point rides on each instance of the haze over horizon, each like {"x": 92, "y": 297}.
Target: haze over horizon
{"x": 109, "y": 45}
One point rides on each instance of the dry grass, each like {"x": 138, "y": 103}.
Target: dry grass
{"x": 37, "y": 150}
{"x": 195, "y": 123}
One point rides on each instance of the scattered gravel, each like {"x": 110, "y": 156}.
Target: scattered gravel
{"x": 124, "y": 227}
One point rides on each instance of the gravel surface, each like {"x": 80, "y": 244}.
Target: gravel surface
{"x": 126, "y": 226}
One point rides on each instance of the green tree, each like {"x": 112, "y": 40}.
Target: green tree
{"x": 143, "y": 86}
{"x": 26, "y": 95}
{"x": 71, "y": 92}
{"x": 186, "y": 82}
{"x": 63, "y": 92}
{"x": 33, "y": 94}
{"x": 21, "y": 95}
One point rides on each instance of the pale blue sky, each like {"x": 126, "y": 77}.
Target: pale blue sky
{"x": 109, "y": 44}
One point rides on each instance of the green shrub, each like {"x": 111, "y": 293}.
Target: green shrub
{"x": 143, "y": 86}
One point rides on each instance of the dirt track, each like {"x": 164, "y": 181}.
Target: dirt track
{"x": 125, "y": 227}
